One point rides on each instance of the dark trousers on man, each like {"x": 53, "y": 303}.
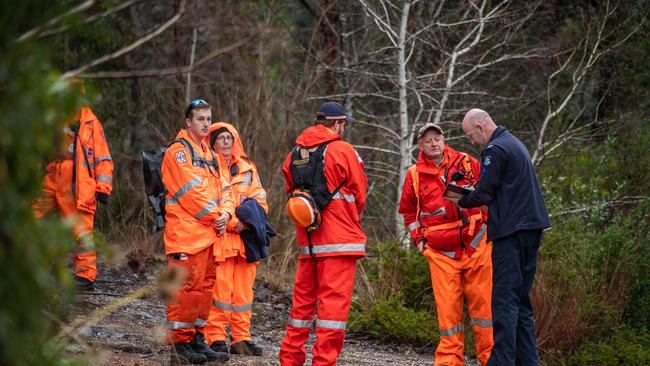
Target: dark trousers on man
{"x": 514, "y": 260}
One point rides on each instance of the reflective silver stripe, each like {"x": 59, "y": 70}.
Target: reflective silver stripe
{"x": 332, "y": 324}
{"x": 170, "y": 201}
{"x": 88, "y": 244}
{"x": 179, "y": 325}
{"x": 207, "y": 208}
{"x": 477, "y": 239}
{"x": 99, "y": 159}
{"x": 414, "y": 225}
{"x": 448, "y": 254}
{"x": 451, "y": 331}
{"x": 248, "y": 179}
{"x": 340, "y": 196}
{"x": 184, "y": 189}
{"x": 230, "y": 307}
{"x": 200, "y": 322}
{"x": 261, "y": 195}
{"x": 482, "y": 322}
{"x": 438, "y": 212}
{"x": 333, "y": 248}
{"x": 104, "y": 178}
{"x": 299, "y": 323}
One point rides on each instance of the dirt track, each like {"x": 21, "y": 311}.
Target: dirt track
{"x": 132, "y": 334}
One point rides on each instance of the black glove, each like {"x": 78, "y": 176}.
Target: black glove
{"x": 101, "y": 197}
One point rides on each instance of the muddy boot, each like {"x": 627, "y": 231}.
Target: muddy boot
{"x": 247, "y": 348}
{"x": 199, "y": 345}
{"x": 219, "y": 346}
{"x": 83, "y": 284}
{"x": 183, "y": 354}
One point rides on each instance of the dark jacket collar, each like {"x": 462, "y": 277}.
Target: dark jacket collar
{"x": 498, "y": 132}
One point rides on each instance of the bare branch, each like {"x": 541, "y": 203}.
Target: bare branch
{"x": 131, "y": 47}
{"x": 168, "y": 71}
{"x": 91, "y": 18}
{"x": 373, "y": 148}
{"x": 77, "y": 9}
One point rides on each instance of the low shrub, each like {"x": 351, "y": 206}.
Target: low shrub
{"x": 391, "y": 321}
{"x": 626, "y": 346}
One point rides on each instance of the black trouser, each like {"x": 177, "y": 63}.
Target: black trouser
{"x": 514, "y": 260}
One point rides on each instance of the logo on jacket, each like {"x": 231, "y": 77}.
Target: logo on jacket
{"x": 487, "y": 161}
{"x": 180, "y": 157}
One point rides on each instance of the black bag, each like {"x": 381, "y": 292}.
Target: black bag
{"x": 153, "y": 184}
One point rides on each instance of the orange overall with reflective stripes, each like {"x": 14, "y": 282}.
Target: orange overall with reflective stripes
{"x": 457, "y": 251}
{"x": 84, "y": 168}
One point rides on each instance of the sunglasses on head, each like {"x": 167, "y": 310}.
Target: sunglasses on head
{"x": 196, "y": 103}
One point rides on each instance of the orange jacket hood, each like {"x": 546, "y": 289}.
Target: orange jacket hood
{"x": 237, "y": 146}
{"x": 316, "y": 135}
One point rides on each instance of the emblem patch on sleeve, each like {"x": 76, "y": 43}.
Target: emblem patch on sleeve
{"x": 180, "y": 157}
{"x": 487, "y": 161}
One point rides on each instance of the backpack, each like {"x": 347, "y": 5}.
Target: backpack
{"x": 153, "y": 184}
{"x": 310, "y": 195}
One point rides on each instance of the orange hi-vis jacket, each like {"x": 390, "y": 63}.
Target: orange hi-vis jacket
{"x": 340, "y": 232}
{"x": 196, "y": 194}
{"x": 93, "y": 165}
{"x": 245, "y": 182}
{"x": 428, "y": 215}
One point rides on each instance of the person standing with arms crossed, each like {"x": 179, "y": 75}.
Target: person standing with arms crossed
{"x": 198, "y": 206}
{"x": 516, "y": 217}
{"x": 331, "y": 171}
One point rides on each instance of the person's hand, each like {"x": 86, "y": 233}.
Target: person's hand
{"x": 221, "y": 221}
{"x": 240, "y": 227}
{"x": 420, "y": 246}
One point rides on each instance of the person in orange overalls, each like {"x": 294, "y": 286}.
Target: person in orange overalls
{"x": 453, "y": 241}
{"x": 233, "y": 292}
{"x": 198, "y": 206}
{"x": 74, "y": 182}
{"x": 327, "y": 259}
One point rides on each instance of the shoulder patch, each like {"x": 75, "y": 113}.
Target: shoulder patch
{"x": 487, "y": 161}
{"x": 180, "y": 156}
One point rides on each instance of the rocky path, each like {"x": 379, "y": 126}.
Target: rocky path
{"x": 133, "y": 333}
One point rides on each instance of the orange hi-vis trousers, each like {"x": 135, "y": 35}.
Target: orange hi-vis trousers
{"x": 232, "y": 300}
{"x": 57, "y": 197}
{"x": 328, "y": 282}
{"x": 188, "y": 313}
{"x": 471, "y": 278}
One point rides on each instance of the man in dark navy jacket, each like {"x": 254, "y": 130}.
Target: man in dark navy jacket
{"x": 516, "y": 217}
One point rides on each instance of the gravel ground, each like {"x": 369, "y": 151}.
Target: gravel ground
{"x": 132, "y": 334}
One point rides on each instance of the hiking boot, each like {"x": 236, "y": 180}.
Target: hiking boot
{"x": 83, "y": 284}
{"x": 199, "y": 345}
{"x": 219, "y": 346}
{"x": 183, "y": 354}
{"x": 247, "y": 348}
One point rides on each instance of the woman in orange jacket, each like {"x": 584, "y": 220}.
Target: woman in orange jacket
{"x": 233, "y": 290}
